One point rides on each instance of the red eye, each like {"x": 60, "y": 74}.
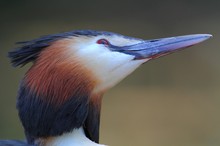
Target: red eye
{"x": 103, "y": 41}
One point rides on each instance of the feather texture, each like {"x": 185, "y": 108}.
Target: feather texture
{"x": 30, "y": 50}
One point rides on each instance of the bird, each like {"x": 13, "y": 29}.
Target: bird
{"x": 59, "y": 98}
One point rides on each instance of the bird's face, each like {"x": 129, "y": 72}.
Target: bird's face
{"x": 108, "y": 66}
{"x": 110, "y": 58}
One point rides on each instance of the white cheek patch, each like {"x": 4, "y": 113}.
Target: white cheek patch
{"x": 108, "y": 67}
{"x": 114, "y": 77}
{"x": 122, "y": 41}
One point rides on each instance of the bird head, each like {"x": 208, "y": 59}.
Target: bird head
{"x": 111, "y": 57}
{"x": 70, "y": 72}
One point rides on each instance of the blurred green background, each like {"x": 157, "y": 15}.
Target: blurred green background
{"x": 171, "y": 101}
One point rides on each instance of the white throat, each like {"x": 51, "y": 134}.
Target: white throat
{"x": 75, "y": 138}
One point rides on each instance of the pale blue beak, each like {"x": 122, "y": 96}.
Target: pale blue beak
{"x": 159, "y": 47}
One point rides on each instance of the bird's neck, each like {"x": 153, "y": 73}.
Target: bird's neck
{"x": 56, "y": 99}
{"x": 76, "y": 137}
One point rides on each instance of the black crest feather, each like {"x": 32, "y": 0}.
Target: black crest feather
{"x": 29, "y": 50}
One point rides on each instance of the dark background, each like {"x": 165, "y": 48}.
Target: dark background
{"x": 171, "y": 101}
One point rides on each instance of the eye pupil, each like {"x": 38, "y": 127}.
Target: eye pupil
{"x": 103, "y": 41}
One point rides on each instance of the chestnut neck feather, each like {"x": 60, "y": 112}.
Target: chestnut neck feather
{"x": 56, "y": 96}
{"x": 58, "y": 78}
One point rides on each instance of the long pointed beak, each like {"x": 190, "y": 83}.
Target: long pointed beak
{"x": 151, "y": 49}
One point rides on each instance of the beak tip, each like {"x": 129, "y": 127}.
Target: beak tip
{"x": 204, "y": 37}
{"x": 208, "y": 36}
{"x": 196, "y": 38}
